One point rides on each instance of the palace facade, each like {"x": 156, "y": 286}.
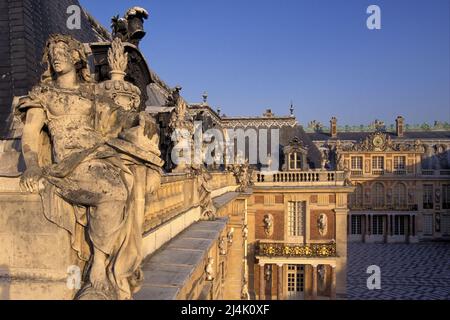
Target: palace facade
{"x": 401, "y": 176}
{"x": 223, "y": 230}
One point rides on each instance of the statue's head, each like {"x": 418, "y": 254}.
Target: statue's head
{"x": 63, "y": 54}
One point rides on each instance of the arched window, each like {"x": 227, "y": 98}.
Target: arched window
{"x": 399, "y": 195}
{"x": 356, "y": 198}
{"x": 379, "y": 195}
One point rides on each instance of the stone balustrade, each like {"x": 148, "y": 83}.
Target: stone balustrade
{"x": 305, "y": 178}
{"x": 222, "y": 180}
{"x": 177, "y": 194}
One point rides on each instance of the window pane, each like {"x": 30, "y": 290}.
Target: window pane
{"x": 428, "y": 196}
{"x": 292, "y": 161}
{"x": 379, "y": 195}
{"x": 356, "y": 163}
{"x": 399, "y": 163}
{"x": 299, "y": 162}
{"x": 295, "y": 218}
{"x": 446, "y": 196}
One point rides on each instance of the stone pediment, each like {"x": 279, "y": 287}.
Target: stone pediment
{"x": 296, "y": 145}
{"x": 382, "y": 142}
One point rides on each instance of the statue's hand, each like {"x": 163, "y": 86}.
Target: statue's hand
{"x": 30, "y": 179}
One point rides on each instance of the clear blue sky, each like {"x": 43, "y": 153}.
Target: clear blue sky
{"x": 250, "y": 55}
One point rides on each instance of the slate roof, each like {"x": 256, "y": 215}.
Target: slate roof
{"x": 357, "y": 136}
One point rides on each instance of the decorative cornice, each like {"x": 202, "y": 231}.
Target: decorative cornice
{"x": 315, "y": 126}
{"x": 380, "y": 142}
{"x": 259, "y": 122}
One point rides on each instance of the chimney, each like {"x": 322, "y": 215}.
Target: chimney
{"x": 400, "y": 126}
{"x": 333, "y": 127}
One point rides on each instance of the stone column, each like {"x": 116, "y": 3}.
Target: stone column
{"x": 262, "y": 282}
{"x": 408, "y": 228}
{"x": 349, "y": 224}
{"x": 314, "y": 282}
{"x": 341, "y": 247}
{"x": 388, "y": 227}
{"x": 333, "y": 282}
{"x": 363, "y": 227}
{"x": 280, "y": 282}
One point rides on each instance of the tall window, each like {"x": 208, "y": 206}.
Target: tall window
{"x": 378, "y": 165}
{"x": 400, "y": 165}
{"x": 428, "y": 196}
{"x": 356, "y": 198}
{"x": 355, "y": 224}
{"x": 428, "y": 224}
{"x": 446, "y": 196}
{"x": 399, "y": 195}
{"x": 445, "y": 224}
{"x": 378, "y": 193}
{"x": 295, "y": 218}
{"x": 295, "y": 279}
{"x": 399, "y": 225}
{"x": 377, "y": 225}
{"x": 295, "y": 161}
{"x": 357, "y": 166}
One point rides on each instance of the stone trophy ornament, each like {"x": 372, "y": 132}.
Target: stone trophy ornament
{"x": 322, "y": 224}
{"x": 181, "y": 127}
{"x": 347, "y": 177}
{"x": 245, "y": 232}
{"x": 325, "y": 154}
{"x": 245, "y": 294}
{"x": 222, "y": 246}
{"x": 244, "y": 176}
{"x": 209, "y": 270}
{"x": 321, "y": 277}
{"x": 130, "y": 28}
{"x": 209, "y": 211}
{"x": 230, "y": 236}
{"x": 268, "y": 224}
{"x": 91, "y": 156}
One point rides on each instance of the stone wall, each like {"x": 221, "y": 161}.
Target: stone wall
{"x": 35, "y": 253}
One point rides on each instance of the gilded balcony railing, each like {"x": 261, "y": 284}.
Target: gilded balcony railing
{"x": 312, "y": 250}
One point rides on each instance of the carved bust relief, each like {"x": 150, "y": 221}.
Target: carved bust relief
{"x": 268, "y": 224}
{"x": 322, "y": 224}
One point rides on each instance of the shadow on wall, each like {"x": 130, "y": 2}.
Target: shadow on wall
{"x": 5, "y": 283}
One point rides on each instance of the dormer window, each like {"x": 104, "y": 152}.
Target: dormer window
{"x": 295, "y": 161}
{"x": 295, "y": 156}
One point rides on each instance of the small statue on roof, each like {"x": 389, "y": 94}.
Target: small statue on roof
{"x": 130, "y": 28}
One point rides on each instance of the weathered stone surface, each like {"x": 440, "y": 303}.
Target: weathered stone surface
{"x": 9, "y": 163}
{"x": 31, "y": 244}
{"x": 186, "y": 243}
{"x": 174, "y": 275}
{"x": 178, "y": 257}
{"x": 157, "y": 293}
{"x": 181, "y": 261}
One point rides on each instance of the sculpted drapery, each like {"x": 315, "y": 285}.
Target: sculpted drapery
{"x": 92, "y": 156}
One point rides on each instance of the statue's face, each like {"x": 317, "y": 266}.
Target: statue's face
{"x": 61, "y": 59}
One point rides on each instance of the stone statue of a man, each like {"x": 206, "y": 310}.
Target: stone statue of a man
{"x": 91, "y": 155}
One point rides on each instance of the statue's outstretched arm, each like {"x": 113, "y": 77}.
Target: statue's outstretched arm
{"x": 35, "y": 120}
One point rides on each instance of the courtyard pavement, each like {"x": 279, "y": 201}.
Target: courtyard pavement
{"x": 408, "y": 271}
